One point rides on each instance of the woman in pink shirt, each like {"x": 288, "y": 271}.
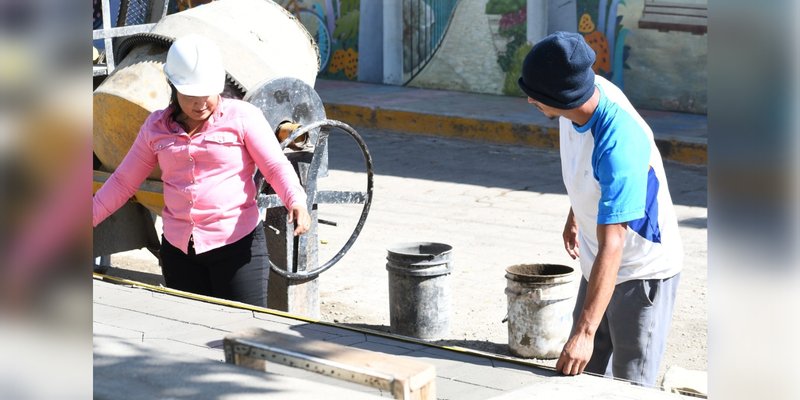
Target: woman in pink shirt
{"x": 208, "y": 148}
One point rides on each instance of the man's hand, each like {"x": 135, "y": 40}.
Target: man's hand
{"x": 570, "y": 236}
{"x": 576, "y": 354}
{"x": 599, "y": 289}
{"x": 299, "y": 215}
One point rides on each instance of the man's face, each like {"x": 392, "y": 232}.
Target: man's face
{"x": 548, "y": 111}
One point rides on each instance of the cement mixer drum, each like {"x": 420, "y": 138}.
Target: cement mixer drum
{"x": 258, "y": 39}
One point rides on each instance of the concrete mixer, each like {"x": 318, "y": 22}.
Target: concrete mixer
{"x": 271, "y": 61}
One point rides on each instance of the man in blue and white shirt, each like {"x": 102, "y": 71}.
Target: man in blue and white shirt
{"x": 621, "y": 223}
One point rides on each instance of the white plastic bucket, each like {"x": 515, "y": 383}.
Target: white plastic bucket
{"x": 541, "y": 298}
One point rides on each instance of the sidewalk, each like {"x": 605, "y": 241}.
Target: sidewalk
{"x": 499, "y": 119}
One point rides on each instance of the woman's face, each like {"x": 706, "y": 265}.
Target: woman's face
{"x": 198, "y": 108}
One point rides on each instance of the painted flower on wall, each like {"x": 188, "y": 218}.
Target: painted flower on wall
{"x": 345, "y": 61}
{"x": 344, "y": 58}
{"x": 603, "y": 30}
{"x": 598, "y": 42}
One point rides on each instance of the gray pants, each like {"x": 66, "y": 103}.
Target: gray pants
{"x": 634, "y": 329}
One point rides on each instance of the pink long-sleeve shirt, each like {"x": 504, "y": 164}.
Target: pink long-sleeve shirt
{"x": 209, "y": 193}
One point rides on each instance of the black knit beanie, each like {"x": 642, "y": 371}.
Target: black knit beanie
{"x": 558, "y": 71}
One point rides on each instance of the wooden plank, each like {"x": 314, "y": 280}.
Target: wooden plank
{"x": 671, "y": 19}
{"x": 676, "y": 5}
{"x": 404, "y": 377}
{"x": 694, "y": 25}
{"x": 694, "y": 12}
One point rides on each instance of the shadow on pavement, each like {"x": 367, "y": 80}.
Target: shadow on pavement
{"x": 138, "y": 276}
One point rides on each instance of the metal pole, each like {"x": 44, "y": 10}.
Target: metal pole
{"x": 537, "y": 20}
{"x": 108, "y": 46}
{"x": 370, "y": 42}
{"x": 393, "y": 42}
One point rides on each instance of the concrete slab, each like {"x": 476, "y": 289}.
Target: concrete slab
{"x": 128, "y": 334}
{"x": 489, "y": 376}
{"x": 269, "y": 317}
{"x": 584, "y": 387}
{"x": 201, "y": 336}
{"x": 447, "y": 388}
{"x": 284, "y": 327}
{"x": 151, "y": 325}
{"x": 140, "y": 371}
{"x": 447, "y": 365}
{"x": 348, "y": 340}
{"x": 383, "y": 348}
{"x": 170, "y": 346}
{"x": 398, "y": 343}
{"x": 146, "y": 355}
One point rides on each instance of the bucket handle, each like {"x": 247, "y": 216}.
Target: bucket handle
{"x": 562, "y": 293}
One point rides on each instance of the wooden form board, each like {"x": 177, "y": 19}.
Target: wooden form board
{"x": 404, "y": 377}
{"x": 668, "y": 16}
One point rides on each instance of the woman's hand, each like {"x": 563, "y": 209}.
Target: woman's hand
{"x": 299, "y": 215}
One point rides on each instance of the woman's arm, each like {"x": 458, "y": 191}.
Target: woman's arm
{"x": 125, "y": 180}
{"x": 262, "y": 145}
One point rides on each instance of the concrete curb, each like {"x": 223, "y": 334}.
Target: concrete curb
{"x": 684, "y": 150}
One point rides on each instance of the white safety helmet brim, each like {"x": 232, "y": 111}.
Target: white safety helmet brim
{"x": 194, "y": 66}
{"x": 201, "y": 89}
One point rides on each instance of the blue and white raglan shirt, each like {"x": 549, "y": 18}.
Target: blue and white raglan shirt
{"x": 613, "y": 173}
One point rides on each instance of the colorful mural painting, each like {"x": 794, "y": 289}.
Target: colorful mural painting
{"x": 599, "y": 23}
{"x": 466, "y": 60}
{"x": 334, "y": 26}
{"x": 344, "y": 47}
{"x": 602, "y": 28}
{"x": 510, "y": 27}
{"x": 660, "y": 66}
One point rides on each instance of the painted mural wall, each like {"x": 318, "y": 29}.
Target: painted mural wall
{"x": 657, "y": 70}
{"x": 665, "y": 70}
{"x": 485, "y": 43}
{"x": 508, "y": 20}
{"x": 334, "y": 26}
{"x": 604, "y": 30}
{"x": 467, "y": 58}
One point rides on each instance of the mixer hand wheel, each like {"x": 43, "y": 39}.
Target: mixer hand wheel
{"x": 325, "y": 127}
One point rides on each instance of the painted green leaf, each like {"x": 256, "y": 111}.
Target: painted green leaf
{"x": 504, "y": 6}
{"x": 347, "y": 26}
{"x": 349, "y": 5}
{"x": 510, "y": 86}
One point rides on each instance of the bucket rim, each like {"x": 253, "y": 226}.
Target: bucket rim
{"x": 401, "y": 248}
{"x": 515, "y": 276}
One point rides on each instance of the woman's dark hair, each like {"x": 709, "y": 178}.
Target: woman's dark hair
{"x": 173, "y": 101}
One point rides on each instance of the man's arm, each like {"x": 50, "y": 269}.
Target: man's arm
{"x": 578, "y": 349}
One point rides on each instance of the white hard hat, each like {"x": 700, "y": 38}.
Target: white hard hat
{"x": 195, "y": 67}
